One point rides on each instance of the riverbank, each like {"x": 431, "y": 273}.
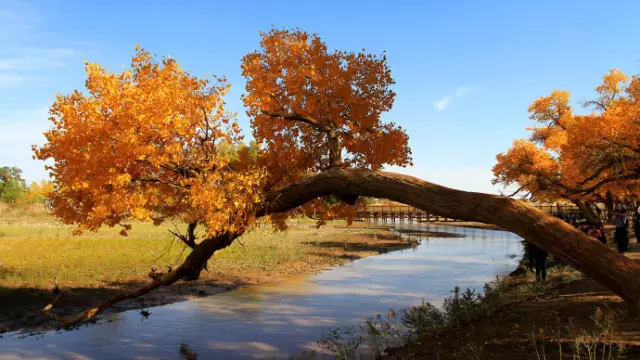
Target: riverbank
{"x": 570, "y": 316}
{"x": 35, "y": 248}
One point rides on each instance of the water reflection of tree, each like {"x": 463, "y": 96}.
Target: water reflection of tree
{"x": 186, "y": 353}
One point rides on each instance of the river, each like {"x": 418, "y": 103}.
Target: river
{"x": 285, "y": 319}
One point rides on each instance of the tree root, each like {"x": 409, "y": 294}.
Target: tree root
{"x": 189, "y": 270}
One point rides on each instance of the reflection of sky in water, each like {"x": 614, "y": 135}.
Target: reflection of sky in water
{"x": 286, "y": 318}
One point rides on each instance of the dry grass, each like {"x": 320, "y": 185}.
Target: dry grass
{"x": 35, "y": 247}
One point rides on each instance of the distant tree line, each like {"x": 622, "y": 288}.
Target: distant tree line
{"x": 14, "y": 189}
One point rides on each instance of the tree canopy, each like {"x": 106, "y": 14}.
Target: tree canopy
{"x": 14, "y": 189}
{"x": 12, "y": 186}
{"x": 39, "y": 192}
{"x": 154, "y": 142}
{"x": 320, "y": 109}
{"x": 579, "y": 157}
{"x": 148, "y": 144}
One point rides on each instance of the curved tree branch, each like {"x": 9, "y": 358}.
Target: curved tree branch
{"x": 298, "y": 117}
{"x": 584, "y": 253}
{"x": 576, "y": 249}
{"x": 189, "y": 270}
{"x": 335, "y": 149}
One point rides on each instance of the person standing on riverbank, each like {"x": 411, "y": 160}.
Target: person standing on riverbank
{"x": 636, "y": 225}
{"x": 621, "y": 235}
{"x": 538, "y": 257}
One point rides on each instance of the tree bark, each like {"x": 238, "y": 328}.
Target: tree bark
{"x": 589, "y": 213}
{"x": 609, "y": 205}
{"x": 189, "y": 270}
{"x": 584, "y": 253}
{"x": 609, "y": 268}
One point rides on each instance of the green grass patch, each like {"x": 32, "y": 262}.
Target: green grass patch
{"x": 35, "y": 247}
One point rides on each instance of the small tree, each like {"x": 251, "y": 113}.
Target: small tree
{"x": 39, "y": 192}
{"x": 13, "y": 187}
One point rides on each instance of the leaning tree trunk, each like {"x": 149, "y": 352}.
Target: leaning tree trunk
{"x": 609, "y": 268}
{"x": 598, "y": 261}
{"x": 189, "y": 270}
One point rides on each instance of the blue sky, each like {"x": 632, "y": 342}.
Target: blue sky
{"x": 465, "y": 71}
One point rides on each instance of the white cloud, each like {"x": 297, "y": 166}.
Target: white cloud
{"x": 442, "y": 103}
{"x": 36, "y": 59}
{"x": 462, "y": 90}
{"x": 12, "y": 79}
{"x": 18, "y": 21}
{"x": 21, "y": 55}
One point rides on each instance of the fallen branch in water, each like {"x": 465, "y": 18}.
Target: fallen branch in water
{"x": 189, "y": 270}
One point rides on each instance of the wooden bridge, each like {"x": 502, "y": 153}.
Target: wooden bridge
{"x": 380, "y": 213}
{"x": 410, "y": 214}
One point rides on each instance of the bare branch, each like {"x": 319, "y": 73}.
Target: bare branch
{"x": 516, "y": 192}
{"x": 298, "y": 117}
{"x": 276, "y": 100}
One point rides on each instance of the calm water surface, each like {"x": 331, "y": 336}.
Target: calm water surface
{"x": 280, "y": 320}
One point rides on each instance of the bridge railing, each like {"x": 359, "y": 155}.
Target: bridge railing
{"x": 409, "y": 213}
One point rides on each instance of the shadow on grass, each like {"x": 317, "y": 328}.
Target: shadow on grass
{"x": 20, "y": 307}
{"x": 350, "y": 257}
{"x": 356, "y": 246}
{"x": 4, "y": 273}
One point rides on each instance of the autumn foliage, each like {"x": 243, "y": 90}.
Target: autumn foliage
{"x": 579, "y": 157}
{"x": 320, "y": 109}
{"x": 302, "y": 97}
{"x": 143, "y": 144}
{"x": 149, "y": 143}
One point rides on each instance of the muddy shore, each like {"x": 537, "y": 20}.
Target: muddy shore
{"x": 21, "y": 307}
{"x": 547, "y": 321}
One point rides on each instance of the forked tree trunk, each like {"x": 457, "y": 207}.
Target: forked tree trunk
{"x": 584, "y": 253}
{"x": 588, "y": 212}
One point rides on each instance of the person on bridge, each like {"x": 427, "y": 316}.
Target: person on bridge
{"x": 538, "y": 257}
{"x": 621, "y": 235}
